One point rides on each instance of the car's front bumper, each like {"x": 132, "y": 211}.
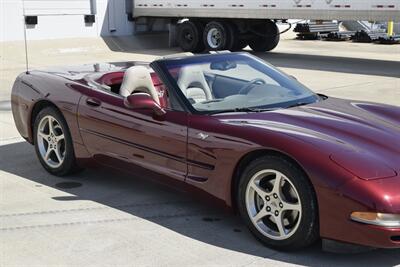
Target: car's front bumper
{"x": 336, "y": 207}
{"x": 374, "y": 236}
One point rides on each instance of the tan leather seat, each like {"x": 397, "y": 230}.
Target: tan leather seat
{"x": 193, "y": 84}
{"x": 138, "y": 79}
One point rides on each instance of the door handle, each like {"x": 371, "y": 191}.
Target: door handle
{"x": 93, "y": 102}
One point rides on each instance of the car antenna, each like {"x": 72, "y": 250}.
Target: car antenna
{"x": 25, "y": 39}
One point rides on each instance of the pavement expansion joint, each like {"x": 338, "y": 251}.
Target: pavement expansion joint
{"x": 127, "y": 219}
{"x": 134, "y": 205}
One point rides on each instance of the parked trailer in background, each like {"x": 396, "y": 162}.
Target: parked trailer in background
{"x": 232, "y": 25}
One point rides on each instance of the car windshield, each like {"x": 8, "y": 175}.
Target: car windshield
{"x": 235, "y": 82}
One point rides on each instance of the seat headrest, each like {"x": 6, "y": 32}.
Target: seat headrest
{"x": 193, "y": 76}
{"x": 138, "y": 78}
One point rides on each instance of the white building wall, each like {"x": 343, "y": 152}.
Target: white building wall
{"x": 61, "y": 21}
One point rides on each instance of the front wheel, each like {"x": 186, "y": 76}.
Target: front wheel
{"x": 278, "y": 204}
{"x": 53, "y": 143}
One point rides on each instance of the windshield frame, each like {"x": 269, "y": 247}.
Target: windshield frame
{"x": 161, "y": 67}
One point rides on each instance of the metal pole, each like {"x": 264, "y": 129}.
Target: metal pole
{"x": 93, "y": 7}
{"x": 25, "y": 39}
{"x": 390, "y": 28}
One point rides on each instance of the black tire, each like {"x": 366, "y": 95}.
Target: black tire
{"x": 190, "y": 36}
{"x": 68, "y": 165}
{"x": 224, "y": 36}
{"x": 307, "y": 231}
{"x": 241, "y": 44}
{"x": 265, "y": 36}
{"x": 233, "y": 37}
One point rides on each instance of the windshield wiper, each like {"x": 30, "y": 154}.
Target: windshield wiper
{"x": 298, "y": 104}
{"x": 254, "y": 110}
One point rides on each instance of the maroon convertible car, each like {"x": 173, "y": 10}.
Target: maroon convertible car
{"x": 297, "y": 166}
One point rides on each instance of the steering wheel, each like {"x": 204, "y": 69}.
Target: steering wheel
{"x": 246, "y": 88}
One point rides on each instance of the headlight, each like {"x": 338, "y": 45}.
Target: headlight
{"x": 376, "y": 218}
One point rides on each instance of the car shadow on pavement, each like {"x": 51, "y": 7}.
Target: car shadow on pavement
{"x": 141, "y": 199}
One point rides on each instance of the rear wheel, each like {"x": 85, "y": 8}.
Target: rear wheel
{"x": 233, "y": 42}
{"x": 265, "y": 36}
{"x": 189, "y": 35}
{"x": 241, "y": 44}
{"x": 53, "y": 143}
{"x": 278, "y": 204}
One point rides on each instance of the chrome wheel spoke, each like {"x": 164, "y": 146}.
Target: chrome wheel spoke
{"x": 280, "y": 225}
{"x": 291, "y": 206}
{"x": 58, "y": 154}
{"x": 60, "y": 137}
{"x": 51, "y": 125}
{"x": 261, "y": 214}
{"x": 258, "y": 190}
{"x": 277, "y": 184}
{"x": 47, "y": 155}
{"x": 44, "y": 136}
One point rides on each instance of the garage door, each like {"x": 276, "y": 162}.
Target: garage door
{"x": 57, "y": 7}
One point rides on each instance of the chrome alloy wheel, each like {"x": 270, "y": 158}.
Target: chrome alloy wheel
{"x": 214, "y": 38}
{"x": 273, "y": 204}
{"x": 51, "y": 141}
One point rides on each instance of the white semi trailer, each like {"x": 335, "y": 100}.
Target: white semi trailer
{"x": 234, "y": 24}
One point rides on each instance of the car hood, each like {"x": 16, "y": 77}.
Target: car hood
{"x": 346, "y": 130}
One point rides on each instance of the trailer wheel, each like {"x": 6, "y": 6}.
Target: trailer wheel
{"x": 235, "y": 43}
{"x": 216, "y": 36}
{"x": 242, "y": 43}
{"x": 189, "y": 35}
{"x": 265, "y": 36}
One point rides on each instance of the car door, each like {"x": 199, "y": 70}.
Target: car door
{"x": 110, "y": 130}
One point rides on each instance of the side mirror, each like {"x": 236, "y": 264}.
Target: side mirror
{"x": 143, "y": 101}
